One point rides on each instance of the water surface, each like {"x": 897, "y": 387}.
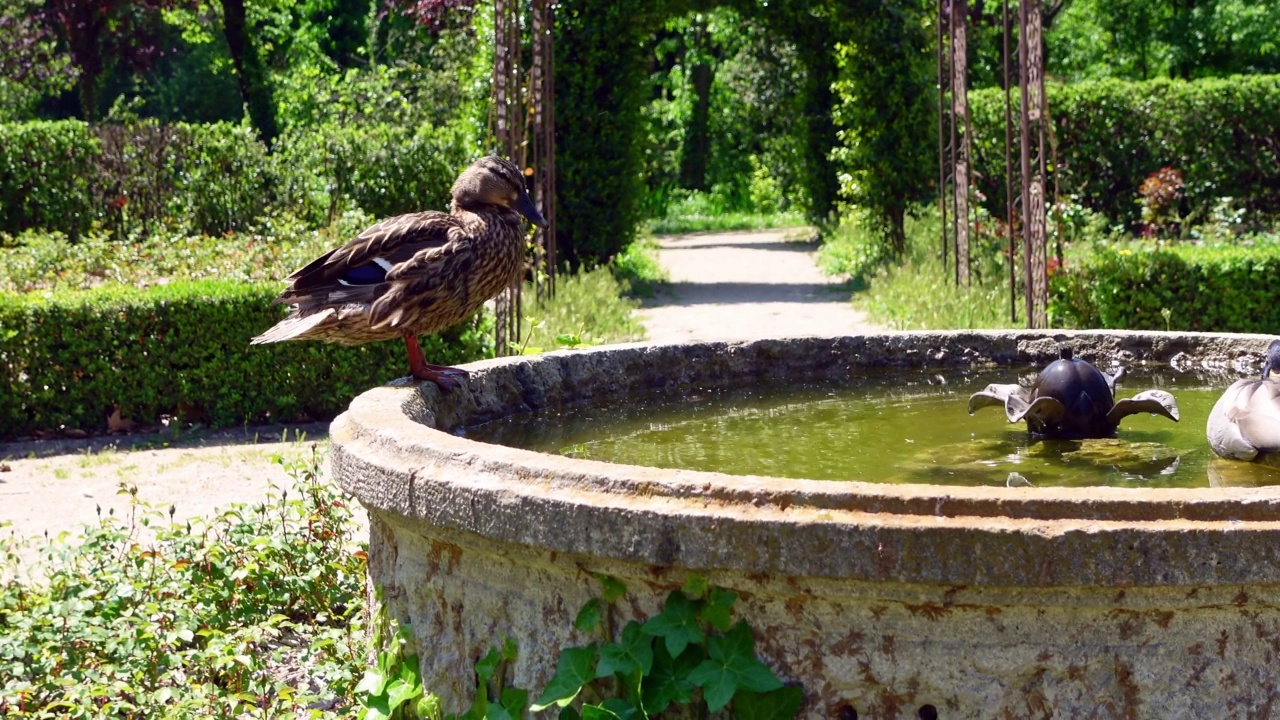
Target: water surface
{"x": 893, "y": 427}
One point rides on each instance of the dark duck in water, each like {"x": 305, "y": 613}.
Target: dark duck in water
{"x": 1245, "y": 422}
{"x": 1072, "y": 399}
{"x": 416, "y": 274}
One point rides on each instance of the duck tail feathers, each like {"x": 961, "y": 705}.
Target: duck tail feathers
{"x": 292, "y": 327}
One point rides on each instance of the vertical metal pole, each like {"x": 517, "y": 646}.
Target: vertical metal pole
{"x": 1033, "y": 201}
{"x": 1037, "y": 215}
{"x": 943, "y": 160}
{"x": 960, "y": 114}
{"x": 1008, "y": 175}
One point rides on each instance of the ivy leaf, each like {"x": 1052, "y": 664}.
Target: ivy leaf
{"x": 611, "y": 588}
{"x": 732, "y": 664}
{"x": 373, "y": 683}
{"x": 668, "y": 681}
{"x": 509, "y": 649}
{"x": 677, "y": 624}
{"x": 429, "y": 707}
{"x": 400, "y": 692}
{"x": 719, "y": 605}
{"x": 589, "y": 616}
{"x": 515, "y": 700}
{"x": 569, "y": 712}
{"x": 488, "y": 665}
{"x": 632, "y": 653}
{"x": 575, "y": 669}
{"x": 695, "y": 586}
{"x": 597, "y": 712}
{"x": 780, "y": 704}
{"x": 497, "y": 712}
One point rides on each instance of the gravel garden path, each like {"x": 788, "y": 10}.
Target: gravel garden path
{"x": 723, "y": 286}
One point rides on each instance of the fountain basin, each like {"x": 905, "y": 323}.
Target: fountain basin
{"x": 983, "y": 602}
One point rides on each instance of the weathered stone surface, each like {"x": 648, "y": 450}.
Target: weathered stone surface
{"x": 985, "y": 602}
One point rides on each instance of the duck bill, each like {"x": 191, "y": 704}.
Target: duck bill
{"x": 526, "y": 208}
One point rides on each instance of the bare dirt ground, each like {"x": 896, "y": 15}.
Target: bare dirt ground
{"x": 747, "y": 285}
{"x": 725, "y": 285}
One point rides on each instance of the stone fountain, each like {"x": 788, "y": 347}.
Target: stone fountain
{"x": 982, "y": 602}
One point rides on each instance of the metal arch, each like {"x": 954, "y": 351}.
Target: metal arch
{"x": 522, "y": 123}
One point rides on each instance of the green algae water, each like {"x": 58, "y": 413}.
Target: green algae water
{"x": 892, "y": 427}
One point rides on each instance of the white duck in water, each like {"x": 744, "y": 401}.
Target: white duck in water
{"x": 1245, "y": 422}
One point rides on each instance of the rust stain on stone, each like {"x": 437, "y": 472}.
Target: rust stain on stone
{"x": 850, "y": 644}
{"x": 886, "y": 646}
{"x": 930, "y": 610}
{"x": 1129, "y": 687}
{"x": 1223, "y": 638}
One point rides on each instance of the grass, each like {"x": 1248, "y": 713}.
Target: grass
{"x": 916, "y": 293}
{"x": 693, "y": 211}
{"x": 257, "y": 612}
{"x": 589, "y": 308}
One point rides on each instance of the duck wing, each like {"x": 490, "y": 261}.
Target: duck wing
{"x": 358, "y": 271}
{"x": 1257, "y": 413}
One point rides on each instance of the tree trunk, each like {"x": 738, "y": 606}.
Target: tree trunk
{"x": 255, "y": 89}
{"x": 697, "y": 144}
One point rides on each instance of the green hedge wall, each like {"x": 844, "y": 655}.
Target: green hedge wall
{"x": 45, "y": 176}
{"x": 1222, "y": 133}
{"x": 1207, "y": 289}
{"x": 214, "y": 178}
{"x": 69, "y": 359}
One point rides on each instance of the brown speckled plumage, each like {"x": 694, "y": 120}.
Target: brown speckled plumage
{"x": 418, "y": 273}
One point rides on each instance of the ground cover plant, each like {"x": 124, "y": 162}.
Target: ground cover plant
{"x": 256, "y": 612}
{"x": 260, "y": 611}
{"x": 916, "y": 292}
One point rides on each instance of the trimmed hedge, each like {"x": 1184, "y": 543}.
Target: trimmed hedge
{"x": 1222, "y": 133}
{"x": 45, "y": 176}
{"x": 1205, "y": 289}
{"x": 69, "y": 359}
{"x": 210, "y": 179}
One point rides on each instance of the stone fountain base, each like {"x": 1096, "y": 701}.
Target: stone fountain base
{"x": 983, "y": 602}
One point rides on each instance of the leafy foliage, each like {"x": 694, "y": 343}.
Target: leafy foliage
{"x": 1151, "y": 286}
{"x": 214, "y": 178}
{"x": 1108, "y": 136}
{"x": 258, "y": 610}
{"x": 918, "y": 293}
{"x": 688, "y": 650}
{"x": 884, "y": 110}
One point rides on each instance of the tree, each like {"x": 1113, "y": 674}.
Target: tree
{"x": 251, "y": 73}
{"x": 100, "y": 34}
{"x": 30, "y": 63}
{"x": 886, "y": 113}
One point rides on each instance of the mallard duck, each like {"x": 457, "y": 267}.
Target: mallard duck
{"x": 1245, "y": 422}
{"x": 1072, "y": 399}
{"x": 417, "y": 273}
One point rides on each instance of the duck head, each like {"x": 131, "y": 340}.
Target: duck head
{"x": 495, "y": 181}
{"x": 1072, "y": 399}
{"x": 1273, "y": 359}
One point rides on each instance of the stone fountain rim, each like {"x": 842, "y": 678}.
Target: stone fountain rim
{"x": 441, "y": 479}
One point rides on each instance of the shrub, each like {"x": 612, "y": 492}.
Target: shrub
{"x": 46, "y": 171}
{"x": 257, "y": 610}
{"x": 1223, "y": 134}
{"x": 68, "y": 359}
{"x": 1224, "y": 288}
{"x": 144, "y": 177}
